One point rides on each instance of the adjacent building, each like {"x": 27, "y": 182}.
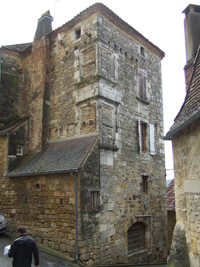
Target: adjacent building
{"x": 185, "y": 135}
{"x": 171, "y": 214}
{"x": 82, "y": 154}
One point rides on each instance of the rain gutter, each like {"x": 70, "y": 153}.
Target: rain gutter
{"x": 170, "y": 134}
{"x": 7, "y": 156}
{"x": 76, "y": 215}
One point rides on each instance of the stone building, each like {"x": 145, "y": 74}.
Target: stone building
{"x": 171, "y": 214}
{"x": 82, "y": 154}
{"x": 185, "y": 135}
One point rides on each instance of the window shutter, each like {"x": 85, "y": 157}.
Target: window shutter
{"x": 139, "y": 136}
{"x": 142, "y": 85}
{"x": 152, "y": 140}
{"x": 144, "y": 88}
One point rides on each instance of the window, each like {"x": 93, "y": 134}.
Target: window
{"x": 78, "y": 34}
{"x": 146, "y": 137}
{"x": 94, "y": 199}
{"x": 145, "y": 184}
{"x": 142, "y": 85}
{"x": 142, "y": 51}
{"x": 143, "y": 137}
{"x": 136, "y": 237}
{"x": 19, "y": 150}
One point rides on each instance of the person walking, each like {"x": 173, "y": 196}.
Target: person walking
{"x": 22, "y": 249}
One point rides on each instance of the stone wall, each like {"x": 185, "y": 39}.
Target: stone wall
{"x": 73, "y": 70}
{"x": 39, "y": 91}
{"x": 13, "y": 98}
{"x": 93, "y": 86}
{"x": 3, "y": 155}
{"x": 179, "y": 251}
{"x": 77, "y": 81}
{"x": 187, "y": 150}
{"x": 121, "y": 171}
{"x": 45, "y": 205}
{"x": 171, "y": 222}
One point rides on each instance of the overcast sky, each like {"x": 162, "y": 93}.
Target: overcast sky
{"x": 160, "y": 21}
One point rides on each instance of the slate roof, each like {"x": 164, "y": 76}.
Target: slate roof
{"x": 56, "y": 157}
{"x": 18, "y": 47}
{"x": 12, "y": 126}
{"x": 190, "y": 109}
{"x": 171, "y": 197}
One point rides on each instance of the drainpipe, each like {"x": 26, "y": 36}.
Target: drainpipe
{"x": 76, "y": 216}
{"x": 147, "y": 216}
{"x": 0, "y": 70}
{"x": 7, "y": 158}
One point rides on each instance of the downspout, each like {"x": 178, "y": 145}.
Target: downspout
{"x": 147, "y": 216}
{"x": 0, "y": 70}
{"x": 7, "y": 158}
{"x": 76, "y": 216}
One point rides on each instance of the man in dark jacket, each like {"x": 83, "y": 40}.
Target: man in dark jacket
{"x": 22, "y": 248}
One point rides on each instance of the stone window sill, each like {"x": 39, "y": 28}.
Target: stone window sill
{"x": 143, "y": 101}
{"x": 138, "y": 252}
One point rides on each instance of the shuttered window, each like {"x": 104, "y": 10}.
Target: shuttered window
{"x": 142, "y": 85}
{"x": 142, "y": 136}
{"x": 146, "y": 138}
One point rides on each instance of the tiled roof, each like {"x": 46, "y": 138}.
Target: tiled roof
{"x": 171, "y": 197}
{"x": 18, "y": 47}
{"x": 56, "y": 157}
{"x": 12, "y": 126}
{"x": 190, "y": 109}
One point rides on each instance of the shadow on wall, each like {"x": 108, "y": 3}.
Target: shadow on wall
{"x": 179, "y": 254}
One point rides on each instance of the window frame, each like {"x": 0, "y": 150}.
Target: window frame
{"x": 146, "y": 137}
{"x": 145, "y": 184}
{"x": 142, "y": 51}
{"x": 94, "y": 199}
{"x": 19, "y": 150}
{"x": 78, "y": 34}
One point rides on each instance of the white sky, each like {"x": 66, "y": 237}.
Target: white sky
{"x": 160, "y": 21}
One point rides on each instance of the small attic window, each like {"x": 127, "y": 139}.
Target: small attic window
{"x": 19, "y": 150}
{"x": 78, "y": 34}
{"x": 142, "y": 50}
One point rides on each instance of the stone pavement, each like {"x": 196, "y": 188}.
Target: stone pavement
{"x": 50, "y": 258}
{"x": 47, "y": 259}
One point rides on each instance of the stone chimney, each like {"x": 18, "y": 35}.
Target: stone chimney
{"x": 192, "y": 38}
{"x": 44, "y": 25}
{"x": 39, "y": 107}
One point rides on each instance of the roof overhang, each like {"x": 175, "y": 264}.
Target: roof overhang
{"x": 173, "y": 132}
{"x": 12, "y": 126}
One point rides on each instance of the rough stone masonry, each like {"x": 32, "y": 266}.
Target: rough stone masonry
{"x": 93, "y": 89}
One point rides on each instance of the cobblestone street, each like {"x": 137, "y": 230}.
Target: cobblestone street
{"x": 48, "y": 260}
